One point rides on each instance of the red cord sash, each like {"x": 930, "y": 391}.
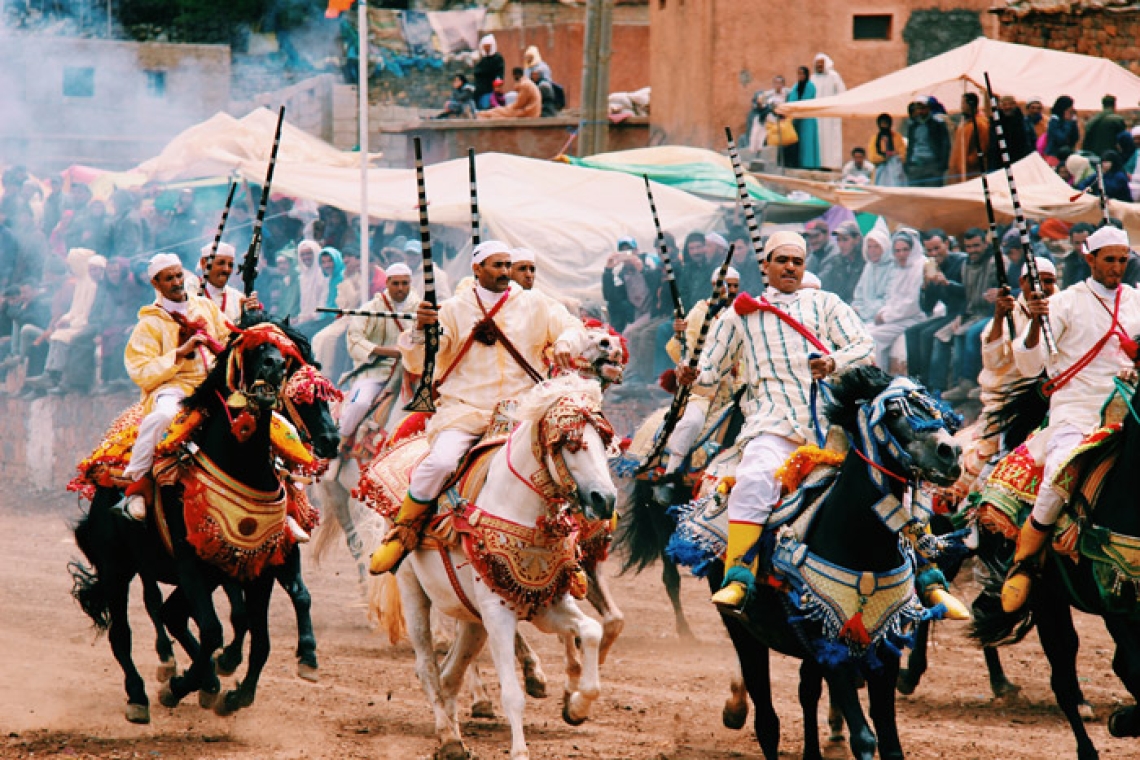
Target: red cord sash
{"x": 488, "y": 329}
{"x": 746, "y": 304}
{"x": 1128, "y": 345}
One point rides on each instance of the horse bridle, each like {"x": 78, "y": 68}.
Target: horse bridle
{"x": 306, "y": 386}
{"x": 921, "y": 411}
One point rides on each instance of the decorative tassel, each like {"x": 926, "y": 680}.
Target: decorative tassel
{"x": 243, "y": 426}
{"x": 854, "y": 632}
{"x": 801, "y": 463}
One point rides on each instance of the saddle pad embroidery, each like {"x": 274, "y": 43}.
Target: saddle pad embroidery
{"x": 594, "y": 539}
{"x": 385, "y": 482}
{"x": 111, "y": 456}
{"x": 1017, "y": 475}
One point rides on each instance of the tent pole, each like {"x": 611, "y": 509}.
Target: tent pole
{"x": 362, "y": 140}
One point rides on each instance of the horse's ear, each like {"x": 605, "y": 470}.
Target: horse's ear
{"x": 285, "y": 321}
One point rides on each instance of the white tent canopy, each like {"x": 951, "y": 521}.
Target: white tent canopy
{"x": 1019, "y": 70}
{"x": 570, "y": 216}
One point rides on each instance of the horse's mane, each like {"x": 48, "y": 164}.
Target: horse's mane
{"x": 251, "y": 318}
{"x": 1021, "y": 410}
{"x": 533, "y": 405}
{"x": 851, "y": 390}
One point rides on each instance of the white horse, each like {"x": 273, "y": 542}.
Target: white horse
{"x": 560, "y": 442}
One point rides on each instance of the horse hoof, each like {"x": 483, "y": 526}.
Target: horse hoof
{"x": 224, "y": 666}
{"x": 1118, "y": 722}
{"x": 568, "y": 714}
{"x": 138, "y": 714}
{"x": 536, "y": 687}
{"x": 207, "y": 700}
{"x": 734, "y": 717}
{"x": 1086, "y": 711}
{"x": 227, "y": 703}
{"x": 905, "y": 684}
{"x": 166, "y": 697}
{"x": 453, "y": 751}
{"x": 1005, "y": 689}
{"x": 167, "y": 669}
{"x": 308, "y": 672}
{"x": 483, "y": 709}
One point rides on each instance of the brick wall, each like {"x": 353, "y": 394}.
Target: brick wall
{"x": 1115, "y": 36}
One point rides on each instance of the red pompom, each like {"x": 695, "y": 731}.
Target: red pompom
{"x": 668, "y": 381}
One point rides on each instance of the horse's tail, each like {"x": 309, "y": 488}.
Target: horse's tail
{"x": 993, "y": 626}
{"x": 385, "y": 608}
{"x": 87, "y": 587}
{"x": 644, "y": 528}
{"x": 327, "y": 533}
{"x": 1021, "y": 410}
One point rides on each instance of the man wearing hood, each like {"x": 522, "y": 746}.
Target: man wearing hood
{"x": 314, "y": 287}
{"x": 902, "y": 308}
{"x": 532, "y": 61}
{"x": 874, "y": 287}
{"x": 828, "y": 83}
{"x": 489, "y": 68}
{"x": 88, "y": 268}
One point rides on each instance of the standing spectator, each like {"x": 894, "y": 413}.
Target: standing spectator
{"x": 31, "y": 246}
{"x": 1062, "y": 131}
{"x": 180, "y": 235}
{"x": 884, "y": 150}
{"x": 313, "y": 285}
{"x": 840, "y": 272}
{"x": 489, "y": 68}
{"x": 528, "y": 105}
{"x": 805, "y": 152}
{"x": 461, "y": 104}
{"x": 941, "y": 283}
{"x": 858, "y": 171}
{"x": 1101, "y": 130}
{"x": 1035, "y": 122}
{"x": 971, "y": 138}
{"x": 827, "y": 83}
{"x": 874, "y": 286}
{"x": 700, "y": 263}
{"x": 53, "y": 205}
{"x": 329, "y": 345}
{"x": 127, "y": 237}
{"x": 902, "y": 308}
{"x": 532, "y": 60}
{"x": 1013, "y": 128}
{"x": 820, "y": 245}
{"x": 927, "y": 146}
{"x": 628, "y": 285}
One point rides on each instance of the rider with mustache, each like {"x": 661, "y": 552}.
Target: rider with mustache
{"x": 778, "y": 363}
{"x": 491, "y": 343}
{"x": 169, "y": 353}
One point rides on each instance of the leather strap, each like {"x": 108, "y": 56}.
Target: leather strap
{"x": 456, "y": 586}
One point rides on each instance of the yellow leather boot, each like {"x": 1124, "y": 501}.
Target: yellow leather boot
{"x": 401, "y": 539}
{"x": 738, "y": 576}
{"x": 1015, "y": 590}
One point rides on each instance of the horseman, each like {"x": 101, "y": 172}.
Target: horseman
{"x": 491, "y": 341}
{"x": 693, "y": 420}
{"x": 1092, "y": 324}
{"x": 524, "y": 268}
{"x": 216, "y": 273}
{"x": 170, "y": 352}
{"x": 372, "y": 346}
{"x": 778, "y": 342}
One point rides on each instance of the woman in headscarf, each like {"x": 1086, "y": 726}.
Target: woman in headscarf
{"x": 532, "y": 61}
{"x": 874, "y": 284}
{"x": 902, "y": 309}
{"x": 489, "y": 68}
{"x": 330, "y": 268}
{"x": 314, "y": 287}
{"x": 284, "y": 294}
{"x": 805, "y": 153}
{"x": 1063, "y": 130}
{"x": 885, "y": 151}
{"x": 1079, "y": 169}
{"x": 827, "y": 83}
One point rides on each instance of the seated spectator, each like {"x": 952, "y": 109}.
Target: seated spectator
{"x": 527, "y": 106}
{"x": 29, "y": 308}
{"x": 941, "y": 284}
{"x": 1015, "y": 256}
{"x": 625, "y": 104}
{"x": 489, "y": 69}
{"x": 885, "y": 151}
{"x": 314, "y": 289}
{"x": 113, "y": 317}
{"x": 840, "y": 272}
{"x": 330, "y": 270}
{"x": 283, "y": 290}
{"x": 329, "y": 347}
{"x": 69, "y": 331}
{"x": 461, "y": 104}
{"x": 1075, "y": 268}
{"x": 874, "y": 286}
{"x": 532, "y": 59}
{"x": 980, "y": 286}
{"x": 902, "y": 309}
{"x": 413, "y": 256}
{"x": 820, "y": 245}
{"x": 1115, "y": 180}
{"x": 858, "y": 171}
{"x": 550, "y": 104}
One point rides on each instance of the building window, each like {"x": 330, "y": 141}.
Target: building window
{"x": 871, "y": 27}
{"x": 156, "y": 84}
{"x": 78, "y": 81}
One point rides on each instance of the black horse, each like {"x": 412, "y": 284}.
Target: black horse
{"x": 1094, "y": 584}
{"x": 118, "y": 549}
{"x": 847, "y": 534}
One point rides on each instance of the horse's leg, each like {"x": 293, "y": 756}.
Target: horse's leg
{"x": 583, "y": 682}
{"x": 811, "y": 689}
{"x": 613, "y": 620}
{"x": 1059, "y": 640}
{"x": 163, "y": 646}
{"x": 481, "y": 706}
{"x": 916, "y": 663}
{"x": 200, "y": 676}
{"x": 534, "y": 679}
{"x": 257, "y": 593}
{"x": 1125, "y": 721}
{"x": 671, "y": 577}
{"x": 417, "y": 613}
{"x": 230, "y": 657}
{"x": 469, "y": 640}
{"x": 845, "y": 695}
{"x": 1001, "y": 686}
{"x": 881, "y": 695}
{"x": 502, "y": 625}
{"x": 735, "y": 711}
{"x": 754, "y": 666}
{"x": 119, "y": 634}
{"x": 290, "y": 577}
{"x": 176, "y": 618}
{"x": 342, "y": 508}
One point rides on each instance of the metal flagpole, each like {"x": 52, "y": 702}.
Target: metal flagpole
{"x": 362, "y": 140}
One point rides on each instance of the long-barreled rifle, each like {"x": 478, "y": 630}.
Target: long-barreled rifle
{"x": 218, "y": 237}
{"x": 362, "y": 313}
{"x": 249, "y": 264}
{"x": 666, "y": 261}
{"x": 1019, "y": 215}
{"x": 422, "y": 399}
{"x": 745, "y": 200}
{"x": 1000, "y": 274}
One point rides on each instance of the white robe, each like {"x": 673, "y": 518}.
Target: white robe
{"x": 830, "y": 130}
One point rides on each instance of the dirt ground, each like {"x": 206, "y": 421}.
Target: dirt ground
{"x": 61, "y": 691}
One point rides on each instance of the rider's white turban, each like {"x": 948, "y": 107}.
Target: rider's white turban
{"x": 161, "y": 261}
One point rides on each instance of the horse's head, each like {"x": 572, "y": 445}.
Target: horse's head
{"x": 572, "y": 440}
{"x": 902, "y": 421}
{"x": 260, "y": 359}
{"x": 306, "y": 397}
{"x": 605, "y": 355}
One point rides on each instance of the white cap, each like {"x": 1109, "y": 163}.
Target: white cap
{"x": 731, "y": 274}
{"x": 782, "y": 238}
{"x": 161, "y": 261}
{"x": 488, "y": 248}
{"x": 224, "y": 249}
{"x": 97, "y": 261}
{"x": 399, "y": 269}
{"x": 1106, "y": 235}
{"x": 1044, "y": 266}
{"x": 717, "y": 238}
{"x": 522, "y": 254}
{"x": 810, "y": 280}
